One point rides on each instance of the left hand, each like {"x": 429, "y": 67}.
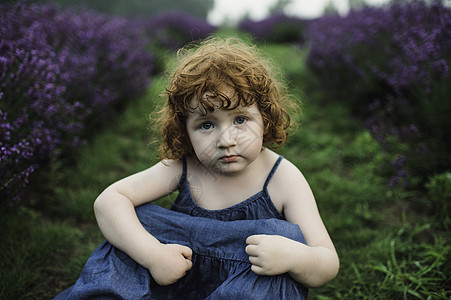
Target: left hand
{"x": 269, "y": 254}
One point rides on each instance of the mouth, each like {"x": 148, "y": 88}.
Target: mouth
{"x": 229, "y": 158}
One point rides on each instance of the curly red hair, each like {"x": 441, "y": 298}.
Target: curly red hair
{"x": 209, "y": 66}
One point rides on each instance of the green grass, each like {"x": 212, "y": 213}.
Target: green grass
{"x": 388, "y": 248}
{"x": 49, "y": 238}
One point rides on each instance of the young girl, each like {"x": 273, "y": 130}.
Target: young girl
{"x": 234, "y": 230}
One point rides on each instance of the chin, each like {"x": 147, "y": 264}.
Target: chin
{"x": 230, "y": 168}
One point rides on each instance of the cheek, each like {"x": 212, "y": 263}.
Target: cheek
{"x": 202, "y": 147}
{"x": 253, "y": 139}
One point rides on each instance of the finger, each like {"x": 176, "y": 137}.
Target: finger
{"x": 257, "y": 270}
{"x": 254, "y": 260}
{"x": 254, "y": 239}
{"x": 189, "y": 265}
{"x": 251, "y": 250}
{"x": 186, "y": 252}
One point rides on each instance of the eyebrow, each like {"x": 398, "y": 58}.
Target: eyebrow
{"x": 238, "y": 110}
{"x": 198, "y": 118}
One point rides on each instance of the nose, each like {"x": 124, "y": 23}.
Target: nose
{"x": 227, "y": 138}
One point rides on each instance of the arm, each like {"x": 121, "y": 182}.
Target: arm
{"x": 115, "y": 213}
{"x": 313, "y": 264}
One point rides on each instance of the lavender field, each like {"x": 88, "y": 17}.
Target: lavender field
{"x": 64, "y": 73}
{"x": 77, "y": 86}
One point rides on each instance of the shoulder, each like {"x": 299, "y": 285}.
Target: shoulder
{"x": 288, "y": 185}
{"x": 169, "y": 170}
{"x": 162, "y": 170}
{"x": 171, "y": 164}
{"x": 287, "y": 173}
{"x": 150, "y": 184}
{"x": 163, "y": 176}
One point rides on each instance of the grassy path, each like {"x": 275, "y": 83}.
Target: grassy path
{"x": 385, "y": 251}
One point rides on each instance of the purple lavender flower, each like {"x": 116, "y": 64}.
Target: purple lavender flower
{"x": 277, "y": 28}
{"x": 173, "y": 30}
{"x": 391, "y": 66}
{"x": 60, "y": 71}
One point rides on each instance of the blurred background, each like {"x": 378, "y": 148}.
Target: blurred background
{"x": 78, "y": 80}
{"x": 218, "y": 12}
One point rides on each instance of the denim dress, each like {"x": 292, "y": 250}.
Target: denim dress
{"x": 221, "y": 267}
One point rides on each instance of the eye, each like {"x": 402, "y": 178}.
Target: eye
{"x": 206, "y": 126}
{"x": 240, "y": 120}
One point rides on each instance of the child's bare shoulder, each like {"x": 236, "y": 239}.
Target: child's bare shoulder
{"x": 287, "y": 183}
{"x": 172, "y": 163}
{"x": 169, "y": 168}
{"x": 286, "y": 171}
{"x": 165, "y": 171}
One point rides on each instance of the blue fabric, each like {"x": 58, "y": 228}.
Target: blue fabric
{"x": 221, "y": 268}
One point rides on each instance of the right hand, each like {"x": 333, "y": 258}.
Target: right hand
{"x": 171, "y": 264}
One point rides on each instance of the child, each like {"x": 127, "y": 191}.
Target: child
{"x": 227, "y": 235}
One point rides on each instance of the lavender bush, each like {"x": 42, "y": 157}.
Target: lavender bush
{"x": 173, "y": 30}
{"x": 277, "y": 28}
{"x": 391, "y": 65}
{"x": 61, "y": 72}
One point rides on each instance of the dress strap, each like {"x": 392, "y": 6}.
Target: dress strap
{"x": 184, "y": 170}
{"x": 273, "y": 170}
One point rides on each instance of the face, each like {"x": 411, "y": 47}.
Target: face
{"x": 226, "y": 141}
